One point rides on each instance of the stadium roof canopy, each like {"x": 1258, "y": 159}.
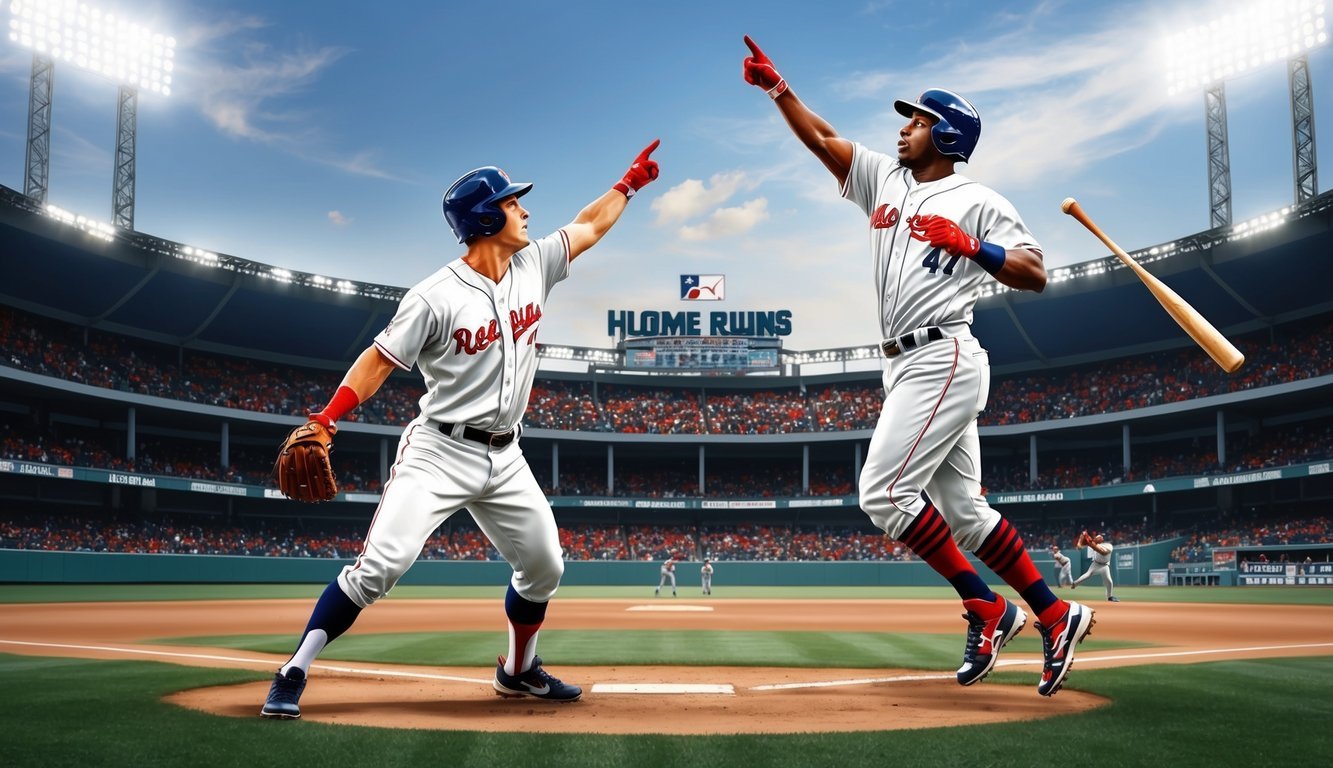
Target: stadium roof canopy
{"x": 1241, "y": 278}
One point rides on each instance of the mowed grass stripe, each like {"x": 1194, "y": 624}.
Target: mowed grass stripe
{"x": 650, "y": 647}
{"x": 80, "y": 712}
{"x": 61, "y": 593}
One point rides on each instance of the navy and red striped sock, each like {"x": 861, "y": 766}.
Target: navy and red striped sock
{"x": 525, "y": 620}
{"x": 1003, "y": 552}
{"x": 930, "y": 538}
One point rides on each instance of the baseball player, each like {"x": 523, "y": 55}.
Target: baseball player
{"x": 668, "y": 571}
{"x": 1066, "y": 575}
{"x": 1099, "y": 556}
{"x": 936, "y": 237}
{"x": 706, "y": 576}
{"x": 471, "y": 328}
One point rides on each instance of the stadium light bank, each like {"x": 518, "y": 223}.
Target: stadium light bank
{"x": 1252, "y": 36}
{"x": 97, "y": 40}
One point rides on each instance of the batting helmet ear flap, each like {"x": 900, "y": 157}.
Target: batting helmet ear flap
{"x": 471, "y": 203}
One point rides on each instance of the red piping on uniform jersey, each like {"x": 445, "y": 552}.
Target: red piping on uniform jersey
{"x": 393, "y": 472}
{"x": 933, "y": 411}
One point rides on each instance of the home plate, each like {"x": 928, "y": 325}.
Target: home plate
{"x": 695, "y": 688}
{"x": 670, "y": 608}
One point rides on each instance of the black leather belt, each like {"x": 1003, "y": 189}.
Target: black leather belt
{"x": 493, "y": 439}
{"x": 909, "y": 341}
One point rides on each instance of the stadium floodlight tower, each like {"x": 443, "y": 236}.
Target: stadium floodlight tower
{"x": 1248, "y": 38}
{"x": 99, "y": 41}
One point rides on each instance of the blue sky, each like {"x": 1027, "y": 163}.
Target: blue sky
{"x": 319, "y": 136}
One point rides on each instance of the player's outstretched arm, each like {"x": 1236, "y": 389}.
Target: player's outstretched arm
{"x": 814, "y": 131}
{"x": 362, "y": 381}
{"x": 596, "y": 219}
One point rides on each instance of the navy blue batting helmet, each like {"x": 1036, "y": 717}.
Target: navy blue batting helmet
{"x": 471, "y": 204}
{"x": 957, "y": 124}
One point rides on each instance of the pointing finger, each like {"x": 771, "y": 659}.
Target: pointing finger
{"x": 649, "y": 149}
{"x": 754, "y": 48}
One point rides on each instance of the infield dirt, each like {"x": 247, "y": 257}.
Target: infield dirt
{"x": 825, "y": 699}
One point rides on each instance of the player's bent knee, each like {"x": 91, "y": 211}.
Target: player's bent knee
{"x": 362, "y": 590}
{"x": 969, "y": 535}
{"x": 539, "y": 582}
{"x": 887, "y": 516}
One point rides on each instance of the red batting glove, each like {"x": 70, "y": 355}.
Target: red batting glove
{"x": 945, "y": 234}
{"x": 640, "y": 172}
{"x": 759, "y": 70}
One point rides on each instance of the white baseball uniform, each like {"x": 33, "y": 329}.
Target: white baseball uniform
{"x": 475, "y": 343}
{"x": 1099, "y": 564}
{"x": 668, "y": 572}
{"x": 936, "y": 374}
{"x": 1066, "y": 569}
{"x": 706, "y": 578}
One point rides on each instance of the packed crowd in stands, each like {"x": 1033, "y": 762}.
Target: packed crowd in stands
{"x": 77, "y": 447}
{"x": 1273, "y": 532}
{"x": 1282, "y": 446}
{"x": 459, "y": 539}
{"x": 40, "y": 345}
{"x": 65, "y": 445}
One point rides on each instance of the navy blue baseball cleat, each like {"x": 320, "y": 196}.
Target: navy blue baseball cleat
{"x": 989, "y": 627}
{"x": 284, "y": 695}
{"x": 535, "y": 682}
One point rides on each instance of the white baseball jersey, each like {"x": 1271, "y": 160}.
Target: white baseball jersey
{"x": 1061, "y": 560}
{"x": 926, "y": 444}
{"x": 475, "y": 341}
{"x": 1098, "y": 557}
{"x": 918, "y": 285}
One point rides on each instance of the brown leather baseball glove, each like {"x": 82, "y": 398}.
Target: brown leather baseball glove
{"x": 303, "y": 470}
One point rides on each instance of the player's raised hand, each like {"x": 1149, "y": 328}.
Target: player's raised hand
{"x": 640, "y": 173}
{"x": 758, "y": 70}
{"x": 943, "y": 233}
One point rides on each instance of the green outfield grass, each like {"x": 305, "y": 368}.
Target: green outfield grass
{"x": 59, "y": 593}
{"x": 78, "y": 712}
{"x": 650, "y": 647}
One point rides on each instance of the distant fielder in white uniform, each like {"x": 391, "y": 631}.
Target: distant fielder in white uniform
{"x": 668, "y": 574}
{"x": 1062, "y": 562}
{"x": 471, "y": 329}
{"x": 1099, "y": 555}
{"x": 706, "y": 577}
{"x": 937, "y": 238}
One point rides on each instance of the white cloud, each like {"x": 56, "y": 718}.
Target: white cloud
{"x": 726, "y": 222}
{"x": 250, "y": 99}
{"x": 1048, "y": 109}
{"x": 337, "y": 219}
{"x": 240, "y": 99}
{"x": 691, "y": 198}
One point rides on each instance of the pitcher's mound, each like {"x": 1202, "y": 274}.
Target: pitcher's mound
{"x": 853, "y": 703}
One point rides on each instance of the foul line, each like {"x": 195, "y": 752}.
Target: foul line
{"x": 778, "y": 687}
{"x": 242, "y": 660}
{"x": 1035, "y": 662}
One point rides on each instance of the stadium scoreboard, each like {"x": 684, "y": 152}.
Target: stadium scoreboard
{"x": 709, "y": 354}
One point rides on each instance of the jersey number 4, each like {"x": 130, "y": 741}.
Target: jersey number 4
{"x": 932, "y": 262}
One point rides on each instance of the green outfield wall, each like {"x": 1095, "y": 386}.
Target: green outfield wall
{"x": 36, "y": 567}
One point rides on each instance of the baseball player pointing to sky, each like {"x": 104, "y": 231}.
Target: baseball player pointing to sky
{"x": 936, "y": 237}
{"x": 471, "y": 329}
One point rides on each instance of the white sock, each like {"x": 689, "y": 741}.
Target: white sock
{"x": 305, "y": 655}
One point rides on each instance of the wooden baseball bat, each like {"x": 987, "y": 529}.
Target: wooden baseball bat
{"x": 1223, "y": 352}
